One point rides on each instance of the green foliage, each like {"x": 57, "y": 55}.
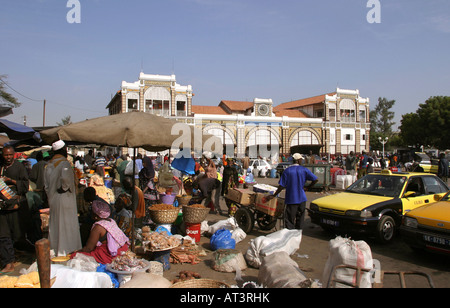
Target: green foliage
{"x": 6, "y": 99}
{"x": 381, "y": 122}
{"x": 430, "y": 125}
{"x": 381, "y": 117}
{"x": 65, "y": 121}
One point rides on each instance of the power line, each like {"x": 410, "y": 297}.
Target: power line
{"x": 41, "y": 100}
{"x": 31, "y": 99}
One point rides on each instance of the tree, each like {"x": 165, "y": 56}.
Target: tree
{"x": 381, "y": 121}
{"x": 381, "y": 117}
{"x": 5, "y": 97}
{"x": 430, "y": 125}
{"x": 65, "y": 121}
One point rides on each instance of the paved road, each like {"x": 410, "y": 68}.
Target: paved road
{"x": 396, "y": 256}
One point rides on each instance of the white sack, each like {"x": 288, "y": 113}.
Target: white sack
{"x": 283, "y": 240}
{"x": 345, "y": 251}
{"x": 278, "y": 270}
{"x": 228, "y": 224}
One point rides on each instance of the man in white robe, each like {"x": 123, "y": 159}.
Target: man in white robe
{"x": 59, "y": 179}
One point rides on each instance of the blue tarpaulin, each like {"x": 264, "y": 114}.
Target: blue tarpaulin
{"x": 185, "y": 165}
{"x": 16, "y": 131}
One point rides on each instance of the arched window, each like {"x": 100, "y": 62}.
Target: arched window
{"x": 304, "y": 137}
{"x": 347, "y": 109}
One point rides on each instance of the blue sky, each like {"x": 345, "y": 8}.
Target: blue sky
{"x": 225, "y": 49}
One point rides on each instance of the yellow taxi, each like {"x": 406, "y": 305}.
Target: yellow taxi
{"x": 429, "y": 165}
{"x": 375, "y": 204}
{"x": 428, "y": 227}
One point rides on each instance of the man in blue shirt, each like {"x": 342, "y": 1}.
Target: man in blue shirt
{"x": 293, "y": 180}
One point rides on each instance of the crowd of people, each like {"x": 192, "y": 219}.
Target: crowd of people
{"x": 86, "y": 215}
{"x": 96, "y": 219}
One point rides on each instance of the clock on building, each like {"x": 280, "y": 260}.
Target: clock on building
{"x": 263, "y": 110}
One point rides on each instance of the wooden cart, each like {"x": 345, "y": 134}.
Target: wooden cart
{"x": 248, "y": 213}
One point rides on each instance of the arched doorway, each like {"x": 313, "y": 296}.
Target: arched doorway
{"x": 225, "y": 135}
{"x": 263, "y": 142}
{"x": 304, "y": 140}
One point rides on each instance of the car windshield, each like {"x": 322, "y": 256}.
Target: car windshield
{"x": 446, "y": 197}
{"x": 379, "y": 185}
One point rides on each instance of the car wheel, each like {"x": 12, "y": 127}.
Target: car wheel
{"x": 386, "y": 229}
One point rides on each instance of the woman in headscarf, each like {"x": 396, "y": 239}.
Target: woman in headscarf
{"x": 147, "y": 184}
{"x": 147, "y": 173}
{"x": 106, "y": 240}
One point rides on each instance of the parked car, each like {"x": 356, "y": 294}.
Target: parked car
{"x": 376, "y": 203}
{"x": 261, "y": 165}
{"x": 429, "y": 165}
{"x": 281, "y": 167}
{"x": 428, "y": 227}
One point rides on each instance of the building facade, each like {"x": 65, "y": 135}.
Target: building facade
{"x": 332, "y": 123}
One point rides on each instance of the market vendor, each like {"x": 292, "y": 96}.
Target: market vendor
{"x": 209, "y": 187}
{"x": 106, "y": 240}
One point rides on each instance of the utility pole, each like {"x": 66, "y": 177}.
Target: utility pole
{"x": 43, "y": 121}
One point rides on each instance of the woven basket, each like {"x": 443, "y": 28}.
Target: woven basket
{"x": 200, "y": 284}
{"x": 164, "y": 216}
{"x": 183, "y": 200}
{"x": 194, "y": 215}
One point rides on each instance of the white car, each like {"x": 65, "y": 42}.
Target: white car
{"x": 263, "y": 168}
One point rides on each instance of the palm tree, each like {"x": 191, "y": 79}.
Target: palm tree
{"x": 6, "y": 99}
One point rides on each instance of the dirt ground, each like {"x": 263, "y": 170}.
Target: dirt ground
{"x": 312, "y": 256}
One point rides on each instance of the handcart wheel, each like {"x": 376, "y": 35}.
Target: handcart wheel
{"x": 265, "y": 222}
{"x": 245, "y": 220}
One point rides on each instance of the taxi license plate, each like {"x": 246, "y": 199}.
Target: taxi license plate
{"x": 329, "y": 222}
{"x": 436, "y": 240}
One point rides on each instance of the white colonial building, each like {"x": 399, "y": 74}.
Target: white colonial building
{"x": 332, "y": 123}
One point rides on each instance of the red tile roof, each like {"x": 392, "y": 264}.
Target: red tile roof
{"x": 302, "y": 102}
{"x": 237, "y": 105}
{"x": 208, "y": 110}
{"x": 290, "y": 113}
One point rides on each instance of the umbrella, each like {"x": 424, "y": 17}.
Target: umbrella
{"x": 133, "y": 130}
{"x": 16, "y": 131}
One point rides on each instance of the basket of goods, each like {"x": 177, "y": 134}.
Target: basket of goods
{"x": 163, "y": 213}
{"x": 127, "y": 263}
{"x": 156, "y": 241}
{"x": 200, "y": 284}
{"x": 183, "y": 199}
{"x": 195, "y": 214}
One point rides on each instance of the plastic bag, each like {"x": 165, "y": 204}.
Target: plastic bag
{"x": 69, "y": 278}
{"x": 222, "y": 240}
{"x": 102, "y": 269}
{"x": 129, "y": 169}
{"x": 83, "y": 263}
